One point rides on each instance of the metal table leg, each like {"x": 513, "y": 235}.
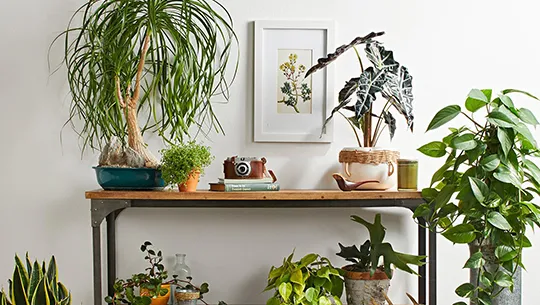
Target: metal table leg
{"x": 432, "y": 268}
{"x": 422, "y": 247}
{"x": 96, "y": 245}
{"x": 101, "y": 209}
{"x": 111, "y": 251}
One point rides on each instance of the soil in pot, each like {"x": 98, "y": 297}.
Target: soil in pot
{"x": 191, "y": 184}
{"x": 161, "y": 300}
{"x": 360, "y": 287}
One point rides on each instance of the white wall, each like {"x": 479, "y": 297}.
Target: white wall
{"x": 448, "y": 46}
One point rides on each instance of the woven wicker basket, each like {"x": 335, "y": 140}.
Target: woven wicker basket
{"x": 375, "y": 157}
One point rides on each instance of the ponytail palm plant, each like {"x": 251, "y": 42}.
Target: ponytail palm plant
{"x": 146, "y": 65}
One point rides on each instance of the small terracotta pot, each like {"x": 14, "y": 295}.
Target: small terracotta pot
{"x": 191, "y": 184}
{"x": 161, "y": 300}
{"x": 366, "y": 276}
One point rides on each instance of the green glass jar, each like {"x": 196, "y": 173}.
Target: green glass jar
{"x": 407, "y": 175}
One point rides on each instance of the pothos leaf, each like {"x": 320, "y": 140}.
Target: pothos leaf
{"x": 391, "y": 122}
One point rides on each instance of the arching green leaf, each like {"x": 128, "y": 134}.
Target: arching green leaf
{"x": 476, "y": 100}
{"x": 433, "y": 149}
{"x": 497, "y": 220}
{"x": 461, "y": 234}
{"x": 444, "y": 116}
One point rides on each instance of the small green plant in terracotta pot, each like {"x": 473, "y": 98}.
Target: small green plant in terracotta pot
{"x": 184, "y": 163}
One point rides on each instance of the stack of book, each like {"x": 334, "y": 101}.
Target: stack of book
{"x": 245, "y": 185}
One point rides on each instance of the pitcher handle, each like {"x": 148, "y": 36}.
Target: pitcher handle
{"x": 391, "y": 169}
{"x": 347, "y": 171}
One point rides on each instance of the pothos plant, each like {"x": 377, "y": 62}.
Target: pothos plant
{"x": 386, "y": 77}
{"x": 367, "y": 258}
{"x": 310, "y": 281}
{"x": 482, "y": 195}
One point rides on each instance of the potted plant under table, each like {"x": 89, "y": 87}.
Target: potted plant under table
{"x": 311, "y": 280}
{"x": 365, "y": 278}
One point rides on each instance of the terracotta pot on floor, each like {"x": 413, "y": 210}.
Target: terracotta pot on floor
{"x": 360, "y": 287}
{"x": 161, "y": 300}
{"x": 191, "y": 184}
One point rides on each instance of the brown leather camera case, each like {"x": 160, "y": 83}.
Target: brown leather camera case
{"x": 258, "y": 169}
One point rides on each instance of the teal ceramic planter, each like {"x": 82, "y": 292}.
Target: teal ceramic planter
{"x": 119, "y": 178}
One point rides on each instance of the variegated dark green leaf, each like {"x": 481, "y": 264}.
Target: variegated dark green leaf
{"x": 381, "y": 58}
{"x": 18, "y": 292}
{"x": 391, "y": 122}
{"x": 325, "y": 61}
{"x": 52, "y": 275}
{"x": 40, "y": 296}
{"x": 28, "y": 265}
{"x": 22, "y": 269}
{"x": 350, "y": 88}
{"x": 35, "y": 277}
{"x": 398, "y": 89}
{"x": 370, "y": 83}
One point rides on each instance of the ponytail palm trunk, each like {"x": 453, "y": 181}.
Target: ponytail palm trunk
{"x": 146, "y": 66}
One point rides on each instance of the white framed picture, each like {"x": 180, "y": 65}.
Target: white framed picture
{"x": 288, "y": 106}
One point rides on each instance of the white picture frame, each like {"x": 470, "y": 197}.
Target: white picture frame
{"x": 295, "y": 112}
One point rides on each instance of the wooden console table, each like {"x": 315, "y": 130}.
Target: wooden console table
{"x": 107, "y": 205}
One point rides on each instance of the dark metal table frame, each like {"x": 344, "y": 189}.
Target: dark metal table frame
{"x": 110, "y": 209}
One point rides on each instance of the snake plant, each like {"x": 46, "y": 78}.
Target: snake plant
{"x": 154, "y": 62}
{"x": 33, "y": 284}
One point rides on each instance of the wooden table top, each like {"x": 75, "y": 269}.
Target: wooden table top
{"x": 275, "y": 195}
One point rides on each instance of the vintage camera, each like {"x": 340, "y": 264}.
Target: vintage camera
{"x": 239, "y": 167}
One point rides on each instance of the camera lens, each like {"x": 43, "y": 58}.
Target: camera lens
{"x": 242, "y": 169}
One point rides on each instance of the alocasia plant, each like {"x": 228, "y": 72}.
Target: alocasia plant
{"x": 386, "y": 77}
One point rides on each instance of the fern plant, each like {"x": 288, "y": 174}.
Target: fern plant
{"x": 158, "y": 61}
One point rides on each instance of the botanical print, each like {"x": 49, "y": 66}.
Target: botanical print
{"x": 294, "y": 92}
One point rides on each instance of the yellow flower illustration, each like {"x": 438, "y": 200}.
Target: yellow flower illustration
{"x": 294, "y": 89}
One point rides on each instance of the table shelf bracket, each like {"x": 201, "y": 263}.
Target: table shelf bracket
{"x": 100, "y": 209}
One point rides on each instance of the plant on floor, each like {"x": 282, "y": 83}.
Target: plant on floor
{"x": 33, "y": 283}
{"x": 179, "y": 162}
{"x": 311, "y": 280}
{"x": 387, "y": 77}
{"x": 366, "y": 259}
{"x": 482, "y": 195}
{"x": 156, "y": 61}
{"x": 366, "y": 281}
{"x": 151, "y": 282}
